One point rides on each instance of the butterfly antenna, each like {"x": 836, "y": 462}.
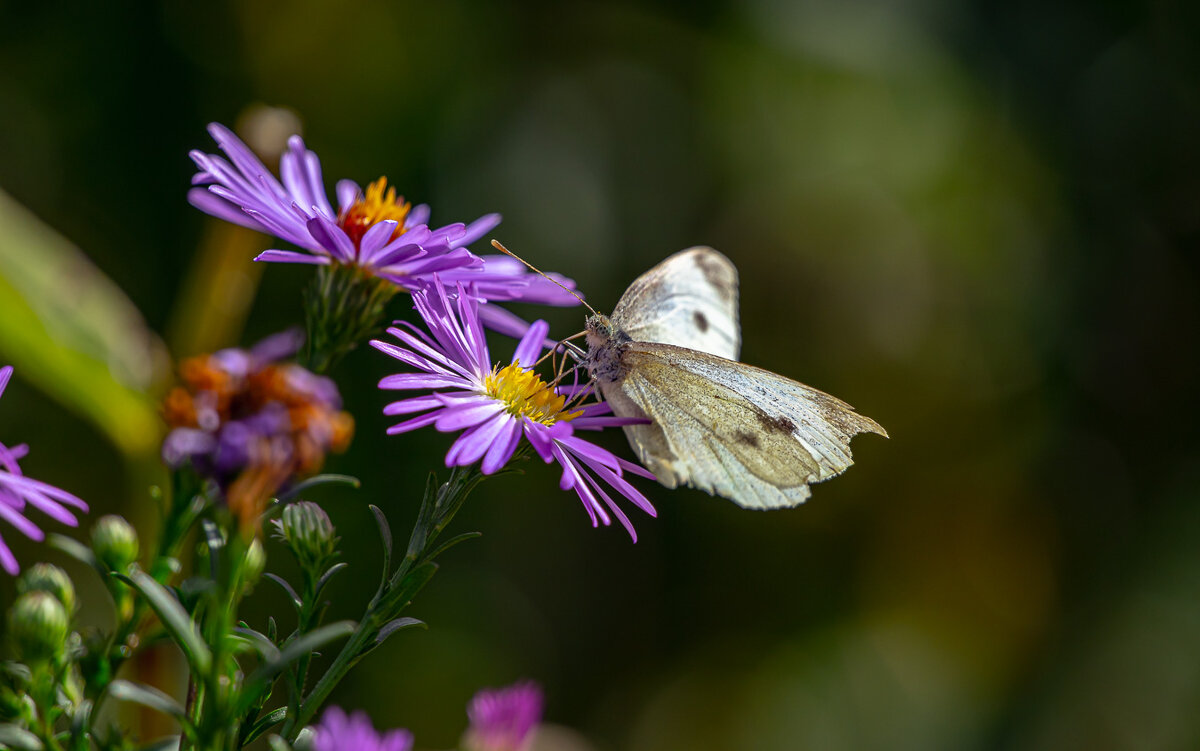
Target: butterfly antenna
{"x": 498, "y": 246}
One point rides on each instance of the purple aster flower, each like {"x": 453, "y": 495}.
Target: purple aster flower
{"x": 252, "y": 423}
{"x": 18, "y": 491}
{"x": 493, "y": 407}
{"x": 338, "y": 731}
{"x": 372, "y": 229}
{"x": 503, "y": 719}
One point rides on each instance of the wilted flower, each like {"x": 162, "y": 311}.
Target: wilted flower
{"x": 338, "y": 731}
{"x": 373, "y": 229}
{"x": 503, "y": 719}
{"x": 18, "y": 491}
{"x": 251, "y": 423}
{"x": 495, "y": 406}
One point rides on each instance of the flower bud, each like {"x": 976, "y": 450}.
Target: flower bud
{"x": 115, "y": 542}
{"x": 253, "y": 566}
{"x": 306, "y": 529}
{"x": 37, "y": 625}
{"x": 46, "y": 577}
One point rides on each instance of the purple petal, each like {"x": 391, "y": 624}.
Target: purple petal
{"x": 530, "y": 346}
{"x": 290, "y": 256}
{"x": 331, "y": 237}
{"x": 459, "y": 417}
{"x": 477, "y": 229}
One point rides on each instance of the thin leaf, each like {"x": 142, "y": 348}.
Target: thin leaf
{"x": 295, "y": 598}
{"x": 304, "y": 645}
{"x": 312, "y": 482}
{"x": 398, "y": 624}
{"x": 147, "y": 696}
{"x": 76, "y": 550}
{"x": 385, "y": 534}
{"x": 174, "y": 619}
{"x": 265, "y": 723}
{"x": 162, "y": 744}
{"x": 260, "y": 642}
{"x": 327, "y": 576}
{"x": 18, "y": 738}
{"x": 214, "y": 542}
{"x": 451, "y": 543}
{"x": 402, "y": 594}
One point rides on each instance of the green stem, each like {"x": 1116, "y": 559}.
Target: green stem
{"x": 438, "y": 508}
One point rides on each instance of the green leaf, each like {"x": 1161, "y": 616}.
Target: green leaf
{"x": 169, "y": 743}
{"x": 398, "y": 624}
{"x": 402, "y": 594}
{"x": 385, "y": 534}
{"x": 147, "y": 696}
{"x": 70, "y": 330}
{"x": 174, "y": 619}
{"x": 327, "y": 576}
{"x": 76, "y": 550}
{"x": 291, "y": 593}
{"x": 299, "y": 647}
{"x": 266, "y": 722}
{"x": 312, "y": 482}
{"x": 452, "y": 542}
{"x": 18, "y": 738}
{"x": 264, "y": 645}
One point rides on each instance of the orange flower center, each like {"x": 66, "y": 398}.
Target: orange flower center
{"x": 379, "y": 204}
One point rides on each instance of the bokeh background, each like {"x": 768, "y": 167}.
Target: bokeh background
{"x": 975, "y": 221}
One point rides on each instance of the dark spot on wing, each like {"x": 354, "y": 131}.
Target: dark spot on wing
{"x": 701, "y": 321}
{"x": 714, "y": 272}
{"x": 776, "y": 424}
{"x": 747, "y": 438}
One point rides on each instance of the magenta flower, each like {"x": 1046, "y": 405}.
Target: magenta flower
{"x": 18, "y": 491}
{"x": 493, "y": 407}
{"x": 373, "y": 229}
{"x": 338, "y": 731}
{"x": 503, "y": 719}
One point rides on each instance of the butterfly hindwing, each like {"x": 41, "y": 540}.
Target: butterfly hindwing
{"x": 732, "y": 429}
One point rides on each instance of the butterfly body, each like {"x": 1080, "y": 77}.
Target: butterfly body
{"x": 668, "y": 355}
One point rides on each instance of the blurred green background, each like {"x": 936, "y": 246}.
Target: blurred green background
{"x": 976, "y": 222}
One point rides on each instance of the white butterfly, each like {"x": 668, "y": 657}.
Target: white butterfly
{"x": 669, "y": 353}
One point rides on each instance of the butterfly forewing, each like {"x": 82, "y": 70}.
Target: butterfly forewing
{"x": 689, "y": 300}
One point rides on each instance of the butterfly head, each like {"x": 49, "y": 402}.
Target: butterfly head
{"x": 605, "y": 341}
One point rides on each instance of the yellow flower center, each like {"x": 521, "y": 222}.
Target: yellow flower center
{"x": 525, "y": 394}
{"x": 374, "y": 207}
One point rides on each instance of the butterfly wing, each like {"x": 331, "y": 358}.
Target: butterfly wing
{"x": 689, "y": 300}
{"x": 731, "y": 429}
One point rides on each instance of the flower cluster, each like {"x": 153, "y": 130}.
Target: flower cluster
{"x": 494, "y": 407}
{"x": 373, "y": 230}
{"x": 253, "y": 423}
{"x": 504, "y": 719}
{"x": 18, "y": 493}
{"x": 339, "y": 731}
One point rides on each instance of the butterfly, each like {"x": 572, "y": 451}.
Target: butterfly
{"x": 668, "y": 355}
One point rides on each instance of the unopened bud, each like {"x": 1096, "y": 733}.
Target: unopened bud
{"x": 255, "y": 563}
{"x": 37, "y": 625}
{"x": 115, "y": 542}
{"x": 46, "y": 577}
{"x": 306, "y": 529}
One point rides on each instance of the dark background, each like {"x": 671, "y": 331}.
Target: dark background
{"x": 974, "y": 221}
